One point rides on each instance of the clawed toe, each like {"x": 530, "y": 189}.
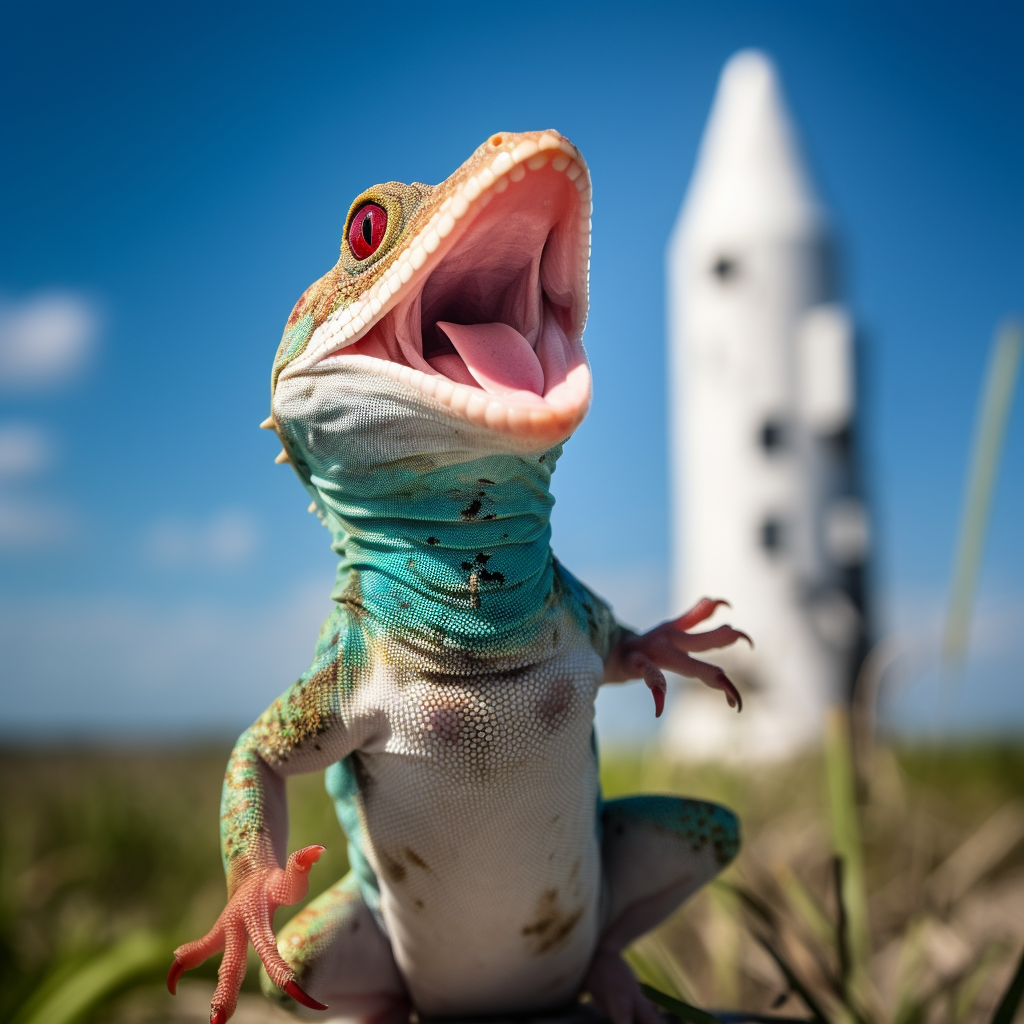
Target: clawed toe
{"x": 292, "y": 988}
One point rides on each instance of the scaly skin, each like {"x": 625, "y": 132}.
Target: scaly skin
{"x": 422, "y": 392}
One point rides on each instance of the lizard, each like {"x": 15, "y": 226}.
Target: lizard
{"x": 422, "y": 391}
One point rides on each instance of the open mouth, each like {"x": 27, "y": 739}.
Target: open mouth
{"x": 483, "y": 310}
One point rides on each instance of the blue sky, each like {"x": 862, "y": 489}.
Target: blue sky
{"x": 175, "y": 175}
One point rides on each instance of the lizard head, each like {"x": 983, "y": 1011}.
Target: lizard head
{"x": 461, "y": 305}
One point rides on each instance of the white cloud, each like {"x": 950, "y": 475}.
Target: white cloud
{"x": 25, "y": 449}
{"x": 226, "y": 540}
{"x": 27, "y": 524}
{"x": 46, "y": 340}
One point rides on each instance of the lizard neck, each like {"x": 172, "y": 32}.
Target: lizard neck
{"x": 455, "y": 556}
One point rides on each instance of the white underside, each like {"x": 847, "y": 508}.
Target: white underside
{"x": 480, "y": 812}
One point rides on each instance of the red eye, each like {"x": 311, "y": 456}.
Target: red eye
{"x": 367, "y": 230}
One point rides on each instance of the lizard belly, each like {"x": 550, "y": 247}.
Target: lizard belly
{"x": 480, "y": 822}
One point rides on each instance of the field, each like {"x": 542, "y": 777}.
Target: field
{"x": 110, "y": 859}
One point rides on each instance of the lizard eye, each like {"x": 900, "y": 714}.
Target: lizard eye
{"x": 367, "y": 230}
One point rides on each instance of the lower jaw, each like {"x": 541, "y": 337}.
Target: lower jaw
{"x": 528, "y": 417}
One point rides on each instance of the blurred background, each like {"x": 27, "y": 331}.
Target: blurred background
{"x": 175, "y": 175}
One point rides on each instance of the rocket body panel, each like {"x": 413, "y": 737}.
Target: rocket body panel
{"x": 761, "y": 390}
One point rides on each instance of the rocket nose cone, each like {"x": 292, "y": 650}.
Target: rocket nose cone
{"x": 750, "y": 175}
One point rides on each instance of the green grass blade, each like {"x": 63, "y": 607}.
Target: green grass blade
{"x": 68, "y": 997}
{"x": 684, "y": 1011}
{"x": 1009, "y": 1004}
{"x": 650, "y": 971}
{"x": 993, "y": 416}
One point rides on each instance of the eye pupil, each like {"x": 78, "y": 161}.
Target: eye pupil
{"x": 367, "y": 231}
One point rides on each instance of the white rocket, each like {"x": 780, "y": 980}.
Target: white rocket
{"x": 767, "y": 509}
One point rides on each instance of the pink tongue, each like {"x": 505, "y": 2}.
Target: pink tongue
{"x": 498, "y": 356}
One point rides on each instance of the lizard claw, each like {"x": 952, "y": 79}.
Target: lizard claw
{"x": 292, "y": 988}
{"x": 176, "y": 971}
{"x": 702, "y": 610}
{"x": 305, "y": 858}
{"x": 668, "y": 646}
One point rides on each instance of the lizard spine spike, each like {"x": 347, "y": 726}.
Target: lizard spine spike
{"x": 281, "y": 457}
{"x": 269, "y": 424}
{"x": 312, "y": 507}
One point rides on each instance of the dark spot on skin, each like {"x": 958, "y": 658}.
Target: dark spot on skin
{"x": 551, "y": 926}
{"x": 492, "y": 577}
{"x": 334, "y": 639}
{"x": 482, "y": 559}
{"x": 504, "y": 536}
{"x": 403, "y": 604}
{"x": 542, "y": 458}
{"x": 418, "y": 904}
{"x": 472, "y": 510}
{"x": 433, "y": 540}
{"x": 555, "y": 818}
{"x": 394, "y": 870}
{"x": 554, "y": 637}
{"x": 620, "y": 830}
{"x": 468, "y": 566}
{"x": 491, "y": 515}
{"x": 414, "y": 858}
{"x": 554, "y": 705}
{"x": 445, "y": 724}
{"x": 481, "y": 494}
{"x": 355, "y": 925}
{"x": 316, "y": 746}
{"x": 484, "y": 480}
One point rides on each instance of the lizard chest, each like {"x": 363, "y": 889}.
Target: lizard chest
{"x": 479, "y": 815}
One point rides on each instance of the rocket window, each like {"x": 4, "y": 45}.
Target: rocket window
{"x": 772, "y": 535}
{"x": 773, "y": 436}
{"x": 726, "y": 269}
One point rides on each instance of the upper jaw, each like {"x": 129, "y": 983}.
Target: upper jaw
{"x": 507, "y": 242}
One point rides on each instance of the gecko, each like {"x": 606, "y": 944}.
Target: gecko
{"x": 422, "y": 392}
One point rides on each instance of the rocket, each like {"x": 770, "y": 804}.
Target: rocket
{"x": 768, "y": 510}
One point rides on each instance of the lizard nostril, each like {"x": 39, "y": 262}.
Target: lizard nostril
{"x": 496, "y": 140}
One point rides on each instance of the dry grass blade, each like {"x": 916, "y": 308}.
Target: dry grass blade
{"x": 1008, "y": 1005}
{"x": 978, "y": 854}
{"x": 805, "y": 905}
{"x": 793, "y": 980}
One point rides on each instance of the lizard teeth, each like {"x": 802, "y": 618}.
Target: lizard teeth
{"x": 348, "y": 325}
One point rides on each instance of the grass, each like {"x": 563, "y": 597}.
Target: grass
{"x": 110, "y": 859}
